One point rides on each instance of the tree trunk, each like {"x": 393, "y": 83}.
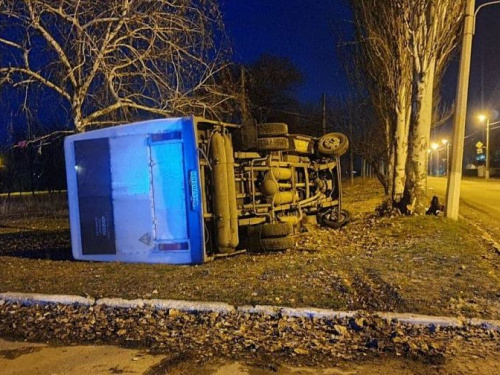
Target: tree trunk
{"x": 391, "y": 161}
{"x": 401, "y": 146}
{"x": 77, "y": 116}
{"x": 416, "y": 187}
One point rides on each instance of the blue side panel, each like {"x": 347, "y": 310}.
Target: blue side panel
{"x": 169, "y": 192}
{"x": 192, "y": 177}
{"x": 93, "y": 168}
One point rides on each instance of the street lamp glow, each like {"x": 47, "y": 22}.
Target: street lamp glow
{"x": 445, "y": 141}
{"x": 455, "y": 175}
{"x": 434, "y": 146}
{"x": 486, "y": 120}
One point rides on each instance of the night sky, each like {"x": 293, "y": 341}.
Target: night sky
{"x": 485, "y": 65}
{"x": 307, "y": 32}
{"x": 302, "y": 30}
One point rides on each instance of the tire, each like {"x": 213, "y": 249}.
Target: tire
{"x": 329, "y": 219}
{"x": 277, "y": 244}
{"x": 272, "y": 129}
{"x": 275, "y": 230}
{"x": 245, "y": 137}
{"x": 272, "y": 144}
{"x": 334, "y": 144}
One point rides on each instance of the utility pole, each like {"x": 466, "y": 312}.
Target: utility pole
{"x": 447, "y": 158}
{"x": 455, "y": 176}
{"x": 487, "y": 171}
{"x": 351, "y": 156}
{"x": 323, "y": 117}
{"x": 437, "y": 162}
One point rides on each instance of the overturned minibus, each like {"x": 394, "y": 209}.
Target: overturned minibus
{"x": 183, "y": 190}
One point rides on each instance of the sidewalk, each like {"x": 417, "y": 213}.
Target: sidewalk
{"x": 21, "y": 358}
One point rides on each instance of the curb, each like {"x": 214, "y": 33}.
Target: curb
{"x": 28, "y": 299}
{"x": 42, "y": 299}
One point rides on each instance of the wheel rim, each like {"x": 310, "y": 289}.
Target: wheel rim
{"x": 335, "y": 217}
{"x": 332, "y": 216}
{"x": 331, "y": 143}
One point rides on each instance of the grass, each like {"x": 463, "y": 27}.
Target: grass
{"x": 407, "y": 264}
{"x": 40, "y": 204}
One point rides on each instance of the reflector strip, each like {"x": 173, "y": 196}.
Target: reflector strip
{"x": 173, "y": 246}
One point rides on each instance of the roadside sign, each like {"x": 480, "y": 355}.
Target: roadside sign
{"x": 479, "y": 145}
{"x": 479, "y": 151}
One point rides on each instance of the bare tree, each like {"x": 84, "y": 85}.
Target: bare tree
{"x": 355, "y": 117}
{"x": 111, "y": 61}
{"x": 271, "y": 84}
{"x": 383, "y": 69}
{"x": 402, "y": 48}
{"x": 434, "y": 29}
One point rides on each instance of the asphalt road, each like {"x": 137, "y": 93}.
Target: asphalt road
{"x": 478, "y": 194}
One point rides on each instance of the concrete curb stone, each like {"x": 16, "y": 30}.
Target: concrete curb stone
{"x": 224, "y": 308}
{"x": 191, "y": 306}
{"x": 37, "y": 298}
{"x": 312, "y": 313}
{"x": 120, "y": 302}
{"x": 423, "y": 320}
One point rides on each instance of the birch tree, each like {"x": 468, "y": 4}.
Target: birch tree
{"x": 384, "y": 67}
{"x": 402, "y": 49}
{"x": 116, "y": 60}
{"x": 433, "y": 27}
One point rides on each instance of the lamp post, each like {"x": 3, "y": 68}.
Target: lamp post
{"x": 435, "y": 147}
{"x": 447, "y": 144}
{"x": 455, "y": 175}
{"x": 429, "y": 162}
{"x": 486, "y": 119}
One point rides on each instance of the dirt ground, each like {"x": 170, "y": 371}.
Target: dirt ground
{"x": 23, "y": 358}
{"x": 415, "y": 264}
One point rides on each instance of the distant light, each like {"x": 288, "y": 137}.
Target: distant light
{"x": 445, "y": 141}
{"x": 434, "y": 146}
{"x": 481, "y": 118}
{"x": 429, "y": 150}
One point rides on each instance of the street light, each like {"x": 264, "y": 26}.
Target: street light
{"x": 447, "y": 144}
{"x": 435, "y": 147}
{"x": 455, "y": 175}
{"x": 484, "y": 118}
{"x": 429, "y": 162}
